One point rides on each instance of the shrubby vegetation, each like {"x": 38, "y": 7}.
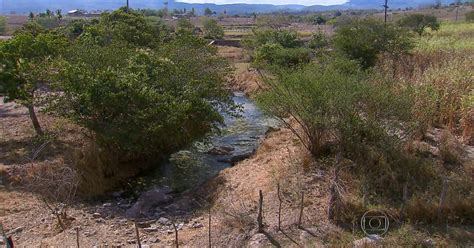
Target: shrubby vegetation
{"x": 25, "y": 65}
{"x": 275, "y": 47}
{"x": 138, "y": 90}
{"x": 419, "y": 23}
{"x": 470, "y": 16}
{"x": 364, "y": 40}
{"x": 3, "y": 25}
{"x": 211, "y": 29}
{"x": 368, "y": 98}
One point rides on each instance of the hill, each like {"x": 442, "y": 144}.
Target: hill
{"x": 26, "y": 6}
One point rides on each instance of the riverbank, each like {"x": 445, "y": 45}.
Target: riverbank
{"x": 231, "y": 195}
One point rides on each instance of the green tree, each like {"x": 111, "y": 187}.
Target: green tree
{"x": 320, "y": 20}
{"x": 470, "y": 16}
{"x": 24, "y": 66}
{"x": 207, "y": 12}
{"x": 59, "y": 14}
{"x": 318, "y": 41}
{"x": 143, "y": 103}
{"x": 31, "y": 16}
{"x": 419, "y": 23}
{"x": 262, "y": 36}
{"x": 3, "y": 25}
{"x": 184, "y": 25}
{"x": 211, "y": 29}
{"x": 364, "y": 40}
{"x": 121, "y": 26}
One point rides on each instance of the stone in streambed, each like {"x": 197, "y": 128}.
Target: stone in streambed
{"x": 148, "y": 200}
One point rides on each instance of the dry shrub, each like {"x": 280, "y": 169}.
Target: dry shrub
{"x": 443, "y": 84}
{"x": 56, "y": 185}
{"x": 101, "y": 170}
{"x": 238, "y": 220}
{"x": 450, "y": 150}
{"x": 420, "y": 210}
{"x": 238, "y": 215}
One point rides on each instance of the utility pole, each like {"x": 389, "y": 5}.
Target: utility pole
{"x": 128, "y": 7}
{"x": 386, "y": 7}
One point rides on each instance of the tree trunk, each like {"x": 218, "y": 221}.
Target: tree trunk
{"x": 34, "y": 119}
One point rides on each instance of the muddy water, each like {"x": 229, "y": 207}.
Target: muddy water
{"x": 239, "y": 137}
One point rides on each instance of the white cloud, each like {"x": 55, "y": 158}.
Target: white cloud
{"x": 275, "y": 2}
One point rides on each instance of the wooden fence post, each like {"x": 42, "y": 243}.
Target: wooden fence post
{"x": 442, "y": 198}
{"x": 404, "y": 201}
{"x": 176, "y": 234}
{"x": 279, "y": 206}
{"x": 260, "y": 213}
{"x": 77, "y": 236}
{"x": 301, "y": 209}
{"x": 138, "y": 235}
{"x": 210, "y": 244}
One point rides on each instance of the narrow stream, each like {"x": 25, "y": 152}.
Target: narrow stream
{"x": 238, "y": 139}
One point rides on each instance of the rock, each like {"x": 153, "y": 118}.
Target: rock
{"x": 117, "y": 194}
{"x": 154, "y": 240}
{"x": 237, "y": 158}
{"x": 106, "y": 205}
{"x": 125, "y": 206}
{"x": 369, "y": 240}
{"x": 180, "y": 226}
{"x": 271, "y": 130}
{"x": 89, "y": 233}
{"x": 163, "y": 221}
{"x": 145, "y": 246}
{"x": 148, "y": 201}
{"x": 145, "y": 224}
{"x": 429, "y": 242}
{"x": 96, "y": 215}
{"x": 131, "y": 241}
{"x": 15, "y": 231}
{"x": 2, "y": 240}
{"x": 151, "y": 229}
{"x": 257, "y": 240}
{"x": 220, "y": 150}
{"x": 197, "y": 225}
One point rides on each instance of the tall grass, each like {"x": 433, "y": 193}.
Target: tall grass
{"x": 452, "y": 36}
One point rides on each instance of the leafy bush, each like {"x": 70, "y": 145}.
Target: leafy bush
{"x": 318, "y": 41}
{"x": 364, "y": 40}
{"x": 470, "y": 16}
{"x": 184, "y": 25}
{"x": 419, "y": 23}
{"x": 140, "y": 103}
{"x": 262, "y": 36}
{"x": 332, "y": 101}
{"x": 50, "y": 22}
{"x": 275, "y": 54}
{"x": 24, "y": 63}
{"x": 211, "y": 29}
{"x": 3, "y": 25}
{"x": 127, "y": 27}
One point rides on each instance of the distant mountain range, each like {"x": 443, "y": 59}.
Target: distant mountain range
{"x": 26, "y": 6}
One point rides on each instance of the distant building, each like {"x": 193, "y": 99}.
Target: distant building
{"x": 181, "y": 16}
{"x": 75, "y": 12}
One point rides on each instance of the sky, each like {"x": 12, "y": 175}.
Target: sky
{"x": 276, "y": 2}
